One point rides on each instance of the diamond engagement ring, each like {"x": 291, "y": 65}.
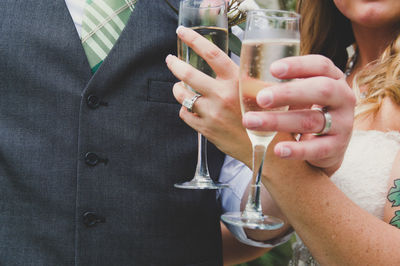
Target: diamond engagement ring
{"x": 327, "y": 120}
{"x": 188, "y": 103}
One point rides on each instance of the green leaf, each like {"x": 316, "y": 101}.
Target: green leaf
{"x": 396, "y": 219}
{"x": 242, "y": 25}
{"x": 394, "y": 194}
{"x": 235, "y": 44}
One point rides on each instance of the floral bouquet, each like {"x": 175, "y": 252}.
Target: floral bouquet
{"x": 236, "y": 17}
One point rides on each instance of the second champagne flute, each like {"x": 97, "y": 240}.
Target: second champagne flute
{"x": 269, "y": 35}
{"x": 209, "y": 19}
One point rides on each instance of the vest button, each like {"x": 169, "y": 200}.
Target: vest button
{"x": 91, "y": 159}
{"x": 90, "y": 219}
{"x": 93, "y": 101}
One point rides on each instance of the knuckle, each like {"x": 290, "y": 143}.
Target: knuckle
{"x": 283, "y": 94}
{"x": 227, "y": 99}
{"x": 311, "y": 123}
{"x": 187, "y": 75}
{"x": 326, "y": 88}
{"x": 271, "y": 123}
{"x": 351, "y": 97}
{"x": 212, "y": 53}
{"x": 193, "y": 39}
{"x": 215, "y": 116}
{"x": 326, "y": 64}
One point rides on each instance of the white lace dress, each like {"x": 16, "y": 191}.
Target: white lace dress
{"x": 363, "y": 177}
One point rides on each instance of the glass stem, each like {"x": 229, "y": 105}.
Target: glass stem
{"x": 253, "y": 209}
{"x": 202, "y": 166}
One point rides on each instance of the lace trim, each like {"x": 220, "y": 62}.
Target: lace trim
{"x": 301, "y": 255}
{"x": 393, "y": 135}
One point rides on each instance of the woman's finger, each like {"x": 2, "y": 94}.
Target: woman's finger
{"x": 323, "y": 150}
{"x": 296, "y": 121}
{"x": 304, "y": 67}
{"x": 218, "y": 60}
{"x": 196, "y": 79}
{"x": 193, "y": 121}
{"x": 317, "y": 90}
{"x": 181, "y": 92}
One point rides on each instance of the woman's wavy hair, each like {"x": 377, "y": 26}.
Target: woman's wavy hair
{"x": 326, "y": 31}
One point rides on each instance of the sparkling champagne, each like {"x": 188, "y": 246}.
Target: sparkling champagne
{"x": 217, "y": 35}
{"x": 256, "y": 58}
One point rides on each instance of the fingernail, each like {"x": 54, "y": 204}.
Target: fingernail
{"x": 251, "y": 121}
{"x": 265, "y": 97}
{"x": 168, "y": 58}
{"x": 285, "y": 151}
{"x": 179, "y": 30}
{"x": 279, "y": 69}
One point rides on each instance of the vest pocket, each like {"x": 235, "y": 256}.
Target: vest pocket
{"x": 160, "y": 91}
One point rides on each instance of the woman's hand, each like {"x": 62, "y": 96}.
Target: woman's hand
{"x": 217, "y": 112}
{"x": 318, "y": 82}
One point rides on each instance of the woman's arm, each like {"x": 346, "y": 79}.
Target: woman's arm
{"x": 336, "y": 230}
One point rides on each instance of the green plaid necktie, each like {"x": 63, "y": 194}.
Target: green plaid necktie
{"x": 103, "y": 22}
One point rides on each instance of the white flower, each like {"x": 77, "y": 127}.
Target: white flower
{"x": 237, "y": 10}
{"x": 247, "y": 5}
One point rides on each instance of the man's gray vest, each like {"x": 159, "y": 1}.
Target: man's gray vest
{"x": 88, "y": 162}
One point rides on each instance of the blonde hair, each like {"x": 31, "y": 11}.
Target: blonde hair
{"x": 380, "y": 79}
{"x": 324, "y": 30}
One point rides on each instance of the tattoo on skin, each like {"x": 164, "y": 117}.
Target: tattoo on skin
{"x": 394, "y": 198}
{"x": 396, "y": 219}
{"x": 394, "y": 194}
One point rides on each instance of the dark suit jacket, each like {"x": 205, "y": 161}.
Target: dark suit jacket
{"x": 88, "y": 162}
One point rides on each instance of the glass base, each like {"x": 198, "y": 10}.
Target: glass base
{"x": 264, "y": 222}
{"x": 201, "y": 183}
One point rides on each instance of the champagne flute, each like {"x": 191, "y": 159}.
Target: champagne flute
{"x": 269, "y": 35}
{"x": 209, "y": 19}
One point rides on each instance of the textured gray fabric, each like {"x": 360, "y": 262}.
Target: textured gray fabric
{"x": 47, "y": 127}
